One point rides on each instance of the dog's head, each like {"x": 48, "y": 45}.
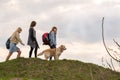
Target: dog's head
{"x": 63, "y": 47}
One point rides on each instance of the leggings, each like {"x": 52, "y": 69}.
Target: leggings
{"x": 31, "y": 50}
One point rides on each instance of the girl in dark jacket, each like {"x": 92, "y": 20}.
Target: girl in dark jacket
{"x": 32, "y": 41}
{"x": 52, "y": 37}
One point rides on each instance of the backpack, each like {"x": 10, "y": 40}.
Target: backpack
{"x": 45, "y": 39}
{"x": 8, "y": 43}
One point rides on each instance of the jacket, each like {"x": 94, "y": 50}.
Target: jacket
{"x": 52, "y": 37}
{"x": 32, "y": 38}
{"x": 15, "y": 38}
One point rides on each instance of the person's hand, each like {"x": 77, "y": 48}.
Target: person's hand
{"x": 23, "y": 44}
{"x": 33, "y": 42}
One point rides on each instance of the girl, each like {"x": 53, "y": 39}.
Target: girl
{"x": 52, "y": 37}
{"x": 14, "y": 40}
{"x": 32, "y": 41}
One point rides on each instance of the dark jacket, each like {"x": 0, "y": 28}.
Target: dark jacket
{"x": 32, "y": 41}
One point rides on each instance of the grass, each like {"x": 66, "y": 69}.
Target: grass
{"x": 37, "y": 69}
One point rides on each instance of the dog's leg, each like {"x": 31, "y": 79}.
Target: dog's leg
{"x": 46, "y": 57}
{"x": 56, "y": 57}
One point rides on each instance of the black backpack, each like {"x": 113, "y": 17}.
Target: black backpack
{"x": 8, "y": 43}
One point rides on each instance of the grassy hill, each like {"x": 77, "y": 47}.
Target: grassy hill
{"x": 37, "y": 69}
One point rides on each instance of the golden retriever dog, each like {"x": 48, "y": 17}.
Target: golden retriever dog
{"x": 53, "y": 52}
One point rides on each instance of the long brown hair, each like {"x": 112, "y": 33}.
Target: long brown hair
{"x": 53, "y": 29}
{"x": 33, "y": 23}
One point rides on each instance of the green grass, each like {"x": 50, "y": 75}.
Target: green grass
{"x": 37, "y": 69}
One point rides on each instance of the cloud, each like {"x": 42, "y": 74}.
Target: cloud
{"x": 77, "y": 20}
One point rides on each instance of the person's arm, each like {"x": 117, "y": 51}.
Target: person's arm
{"x": 52, "y": 38}
{"x": 18, "y": 38}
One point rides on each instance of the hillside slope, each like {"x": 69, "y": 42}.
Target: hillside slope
{"x": 37, "y": 69}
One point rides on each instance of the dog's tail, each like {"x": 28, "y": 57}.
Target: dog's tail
{"x": 40, "y": 53}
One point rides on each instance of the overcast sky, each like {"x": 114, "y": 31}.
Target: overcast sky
{"x": 78, "y": 22}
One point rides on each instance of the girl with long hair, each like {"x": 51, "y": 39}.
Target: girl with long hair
{"x": 52, "y": 37}
{"x": 14, "y": 40}
{"x": 32, "y": 41}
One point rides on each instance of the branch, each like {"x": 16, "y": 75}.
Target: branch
{"x": 112, "y": 64}
{"x": 116, "y": 43}
{"x": 103, "y": 62}
{"x": 105, "y": 44}
{"x": 109, "y": 66}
